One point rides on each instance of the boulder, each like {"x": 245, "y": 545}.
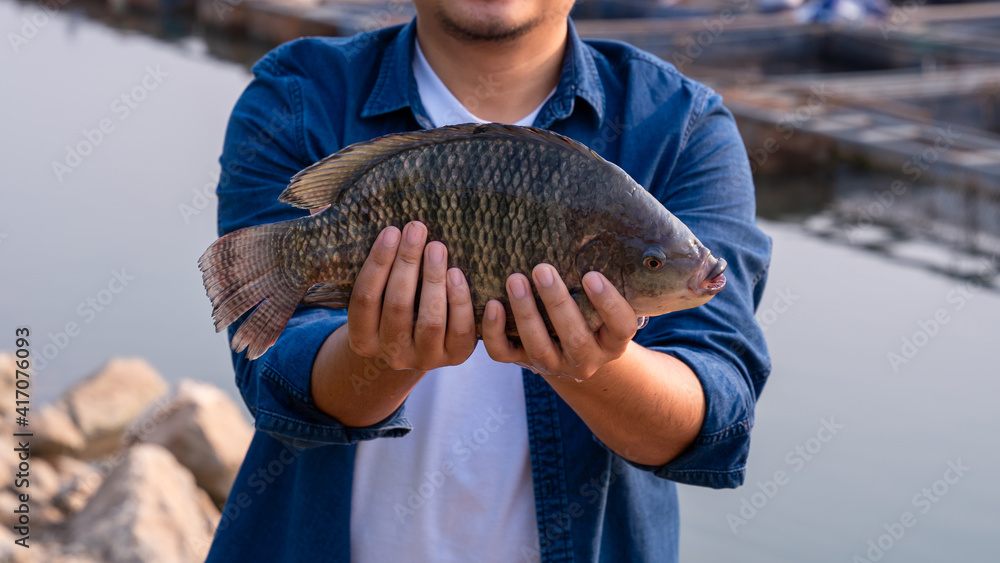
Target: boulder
{"x": 64, "y": 558}
{"x": 105, "y": 403}
{"x": 44, "y": 487}
{"x": 148, "y": 510}
{"x": 206, "y": 432}
{"x": 43, "y": 484}
{"x": 44, "y": 480}
{"x": 8, "y": 547}
{"x": 8, "y": 504}
{"x": 7, "y": 379}
{"x": 13, "y": 553}
{"x": 8, "y": 460}
{"x": 78, "y": 481}
{"x": 55, "y": 433}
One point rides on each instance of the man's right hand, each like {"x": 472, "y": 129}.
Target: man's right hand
{"x": 445, "y": 330}
{"x": 367, "y": 367}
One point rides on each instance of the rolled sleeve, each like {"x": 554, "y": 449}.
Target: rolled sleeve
{"x": 277, "y": 387}
{"x": 718, "y": 456}
{"x": 711, "y": 190}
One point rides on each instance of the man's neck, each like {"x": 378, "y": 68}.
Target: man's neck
{"x": 499, "y": 82}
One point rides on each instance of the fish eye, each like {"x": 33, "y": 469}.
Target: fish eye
{"x": 653, "y": 258}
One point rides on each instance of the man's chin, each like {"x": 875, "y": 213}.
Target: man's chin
{"x": 481, "y": 21}
{"x": 485, "y": 31}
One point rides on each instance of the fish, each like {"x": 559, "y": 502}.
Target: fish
{"x": 502, "y": 198}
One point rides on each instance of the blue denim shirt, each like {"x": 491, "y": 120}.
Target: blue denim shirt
{"x": 311, "y": 97}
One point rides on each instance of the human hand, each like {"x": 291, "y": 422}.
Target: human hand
{"x": 444, "y": 333}
{"x": 580, "y": 352}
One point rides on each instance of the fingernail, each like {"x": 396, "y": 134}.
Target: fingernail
{"x": 435, "y": 254}
{"x": 491, "y": 312}
{"x": 391, "y": 237}
{"x": 413, "y": 233}
{"x": 594, "y": 283}
{"x": 544, "y": 276}
{"x": 455, "y": 277}
{"x": 518, "y": 288}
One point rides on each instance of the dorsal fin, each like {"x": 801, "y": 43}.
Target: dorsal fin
{"x": 323, "y": 183}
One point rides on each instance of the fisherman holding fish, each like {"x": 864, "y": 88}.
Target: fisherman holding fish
{"x": 437, "y": 329}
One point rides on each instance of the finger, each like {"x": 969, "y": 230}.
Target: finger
{"x": 535, "y": 339}
{"x": 528, "y": 367}
{"x": 620, "y": 321}
{"x": 499, "y": 347}
{"x": 575, "y": 338}
{"x": 396, "y": 324}
{"x": 460, "y": 337}
{"x": 432, "y": 315}
{"x": 365, "y": 306}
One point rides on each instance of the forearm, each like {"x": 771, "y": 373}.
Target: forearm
{"x": 353, "y": 379}
{"x": 358, "y": 391}
{"x": 647, "y": 406}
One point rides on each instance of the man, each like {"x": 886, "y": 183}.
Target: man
{"x": 543, "y": 452}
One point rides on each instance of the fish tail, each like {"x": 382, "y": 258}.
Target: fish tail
{"x": 244, "y": 268}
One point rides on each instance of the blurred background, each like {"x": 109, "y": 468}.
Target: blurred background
{"x": 874, "y": 133}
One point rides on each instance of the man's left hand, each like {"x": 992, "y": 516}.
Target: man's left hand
{"x": 579, "y": 352}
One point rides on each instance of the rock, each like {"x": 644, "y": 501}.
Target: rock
{"x": 106, "y": 402}
{"x": 55, "y": 433}
{"x": 148, "y": 510}
{"x": 44, "y": 480}
{"x": 78, "y": 481}
{"x": 43, "y": 488}
{"x": 7, "y": 382}
{"x": 63, "y": 558}
{"x": 13, "y": 553}
{"x": 71, "y": 559}
{"x": 42, "y": 485}
{"x": 206, "y": 432}
{"x": 8, "y": 503}
{"x": 8, "y": 462}
{"x": 7, "y": 545}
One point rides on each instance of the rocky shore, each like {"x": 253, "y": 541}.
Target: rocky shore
{"x": 121, "y": 468}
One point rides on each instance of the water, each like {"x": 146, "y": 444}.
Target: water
{"x": 119, "y": 208}
{"x": 857, "y": 432}
{"x": 845, "y": 311}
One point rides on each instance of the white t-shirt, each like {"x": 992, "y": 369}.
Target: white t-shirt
{"x": 458, "y": 487}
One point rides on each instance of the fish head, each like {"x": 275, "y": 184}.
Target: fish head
{"x": 669, "y": 269}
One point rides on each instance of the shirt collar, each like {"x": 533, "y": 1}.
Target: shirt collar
{"x": 579, "y": 79}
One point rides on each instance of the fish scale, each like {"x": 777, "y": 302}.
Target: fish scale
{"x": 501, "y": 198}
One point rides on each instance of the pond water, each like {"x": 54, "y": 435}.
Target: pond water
{"x": 875, "y": 436}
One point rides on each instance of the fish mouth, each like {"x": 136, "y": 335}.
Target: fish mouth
{"x": 710, "y": 278}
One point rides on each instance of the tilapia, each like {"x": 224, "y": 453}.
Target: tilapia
{"x": 502, "y": 199}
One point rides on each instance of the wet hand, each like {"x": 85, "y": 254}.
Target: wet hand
{"x": 579, "y": 352}
{"x": 380, "y": 318}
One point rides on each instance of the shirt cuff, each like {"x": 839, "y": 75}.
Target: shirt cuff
{"x": 277, "y": 388}
{"x": 717, "y": 457}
